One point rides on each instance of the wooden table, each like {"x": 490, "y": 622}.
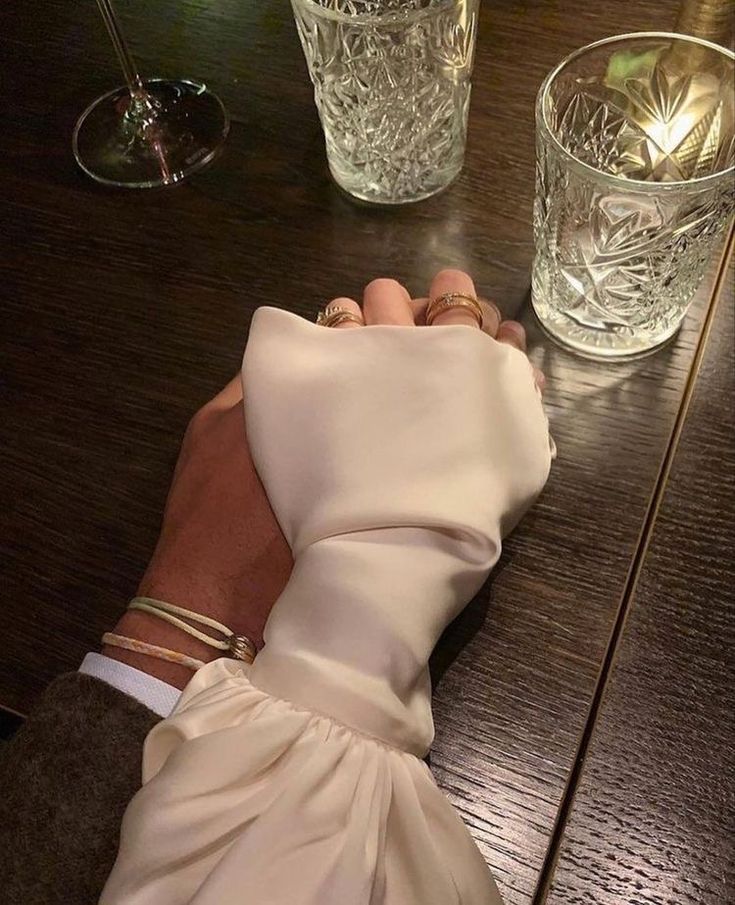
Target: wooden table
{"x": 123, "y": 312}
{"x": 652, "y": 818}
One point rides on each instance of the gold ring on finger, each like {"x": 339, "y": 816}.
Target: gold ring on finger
{"x": 335, "y": 315}
{"x": 449, "y": 300}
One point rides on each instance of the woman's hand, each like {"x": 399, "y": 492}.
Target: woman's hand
{"x": 388, "y": 302}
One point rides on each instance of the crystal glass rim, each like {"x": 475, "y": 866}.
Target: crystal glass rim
{"x": 390, "y": 17}
{"x": 623, "y": 182}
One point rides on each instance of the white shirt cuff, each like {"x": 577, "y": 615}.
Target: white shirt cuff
{"x": 158, "y": 696}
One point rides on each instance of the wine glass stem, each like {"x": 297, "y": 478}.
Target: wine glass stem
{"x": 127, "y": 62}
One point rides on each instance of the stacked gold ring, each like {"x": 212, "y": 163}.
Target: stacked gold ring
{"x": 450, "y": 300}
{"x": 333, "y": 317}
{"x": 242, "y": 648}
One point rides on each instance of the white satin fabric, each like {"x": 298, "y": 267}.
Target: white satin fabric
{"x": 394, "y": 458}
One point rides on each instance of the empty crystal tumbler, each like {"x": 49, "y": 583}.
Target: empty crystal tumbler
{"x": 392, "y": 87}
{"x": 634, "y": 188}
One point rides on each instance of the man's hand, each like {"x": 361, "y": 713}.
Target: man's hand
{"x": 220, "y": 552}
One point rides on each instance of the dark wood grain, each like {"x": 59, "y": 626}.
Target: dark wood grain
{"x": 653, "y": 820}
{"x": 124, "y": 312}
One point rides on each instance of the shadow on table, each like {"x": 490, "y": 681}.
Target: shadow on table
{"x": 460, "y": 632}
{"x": 9, "y": 725}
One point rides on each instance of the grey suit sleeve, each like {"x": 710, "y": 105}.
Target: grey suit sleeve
{"x": 65, "y": 780}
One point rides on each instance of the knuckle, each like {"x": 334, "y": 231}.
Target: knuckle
{"x": 197, "y": 422}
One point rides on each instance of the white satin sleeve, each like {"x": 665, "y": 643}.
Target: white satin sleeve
{"x": 395, "y": 459}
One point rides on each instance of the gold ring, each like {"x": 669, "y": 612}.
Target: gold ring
{"x": 242, "y": 648}
{"x": 336, "y": 315}
{"x": 449, "y": 300}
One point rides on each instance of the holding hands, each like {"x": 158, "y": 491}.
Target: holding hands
{"x": 221, "y": 551}
{"x": 393, "y": 458}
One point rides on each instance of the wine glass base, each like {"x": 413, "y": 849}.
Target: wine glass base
{"x": 172, "y": 129}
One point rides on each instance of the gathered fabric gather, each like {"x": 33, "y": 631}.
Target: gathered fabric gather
{"x": 289, "y": 807}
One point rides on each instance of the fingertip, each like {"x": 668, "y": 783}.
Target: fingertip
{"x": 386, "y": 286}
{"x": 513, "y": 334}
{"x": 451, "y": 276}
{"x": 386, "y": 301}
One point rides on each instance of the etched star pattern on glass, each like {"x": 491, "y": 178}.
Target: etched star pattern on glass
{"x": 392, "y": 87}
{"x": 634, "y": 188}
